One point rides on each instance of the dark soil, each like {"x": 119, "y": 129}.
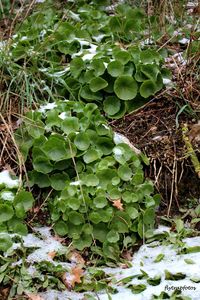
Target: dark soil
{"x": 153, "y": 129}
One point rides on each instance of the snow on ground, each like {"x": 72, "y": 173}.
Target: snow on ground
{"x": 143, "y": 261}
{"x": 7, "y": 181}
{"x": 144, "y": 267}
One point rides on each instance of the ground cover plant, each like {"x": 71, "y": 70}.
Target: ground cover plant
{"x": 100, "y": 193}
{"x": 69, "y": 70}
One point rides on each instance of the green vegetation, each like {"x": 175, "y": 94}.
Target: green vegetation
{"x": 68, "y": 68}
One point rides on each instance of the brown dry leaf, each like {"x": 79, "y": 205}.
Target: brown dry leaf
{"x": 76, "y": 258}
{"x": 36, "y": 209}
{"x": 34, "y": 297}
{"x": 74, "y": 277}
{"x": 52, "y": 254}
{"x": 118, "y": 204}
{"x": 58, "y": 238}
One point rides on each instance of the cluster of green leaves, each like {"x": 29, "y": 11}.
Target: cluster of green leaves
{"x": 46, "y": 274}
{"x": 14, "y": 205}
{"x": 121, "y": 80}
{"x": 72, "y": 151}
{"x": 47, "y": 53}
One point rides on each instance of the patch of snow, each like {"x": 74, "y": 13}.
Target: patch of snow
{"x": 44, "y": 245}
{"x": 6, "y": 180}
{"x": 119, "y": 138}
{"x": 63, "y": 115}
{"x": 24, "y": 38}
{"x": 48, "y": 106}
{"x": 118, "y": 151}
{"x": 161, "y": 229}
{"x": 78, "y": 182}
{"x": 167, "y": 81}
{"x": 184, "y": 41}
{"x": 2, "y": 45}
{"x": 7, "y": 195}
{"x": 88, "y": 56}
{"x": 105, "y": 126}
{"x": 148, "y": 41}
{"x": 98, "y": 38}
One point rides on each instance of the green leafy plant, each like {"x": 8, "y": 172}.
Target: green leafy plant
{"x": 100, "y": 196}
{"x": 14, "y": 205}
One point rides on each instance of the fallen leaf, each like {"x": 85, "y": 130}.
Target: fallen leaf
{"x": 70, "y": 279}
{"x": 118, "y": 204}
{"x": 52, "y": 254}
{"x": 34, "y": 297}
{"x": 76, "y": 258}
{"x": 58, "y": 238}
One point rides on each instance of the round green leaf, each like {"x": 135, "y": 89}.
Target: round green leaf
{"x": 97, "y": 84}
{"x": 95, "y": 217}
{"x": 112, "y": 236}
{"x": 84, "y": 241}
{"x": 100, "y": 231}
{"x": 121, "y": 112}
{"x": 82, "y": 141}
{"x": 87, "y": 94}
{"x": 111, "y": 105}
{"x": 147, "y": 88}
{"x": 74, "y": 231}
{"x": 5, "y": 242}
{"x": 6, "y": 212}
{"x": 125, "y": 173}
{"x": 91, "y": 180}
{"x": 25, "y": 199}
{"x": 91, "y": 155}
{"x": 58, "y": 181}
{"x": 100, "y": 202}
{"x": 105, "y": 177}
{"x": 133, "y": 212}
{"x": 105, "y": 145}
{"x": 42, "y": 164}
{"x": 149, "y": 216}
{"x": 122, "y": 56}
{"x": 70, "y": 124}
{"x": 42, "y": 180}
{"x": 76, "y": 66}
{"x": 98, "y": 66}
{"x": 55, "y": 148}
{"x": 61, "y": 228}
{"x": 115, "y": 68}
{"x": 150, "y": 71}
{"x": 115, "y": 24}
{"x": 114, "y": 193}
{"x": 76, "y": 218}
{"x": 125, "y": 87}
{"x": 73, "y": 202}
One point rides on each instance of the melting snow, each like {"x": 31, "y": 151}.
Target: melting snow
{"x": 7, "y": 195}
{"x": 6, "y": 180}
{"x": 119, "y": 138}
{"x": 63, "y": 115}
{"x": 48, "y": 106}
{"x": 78, "y": 182}
{"x": 184, "y": 41}
{"x": 144, "y": 260}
